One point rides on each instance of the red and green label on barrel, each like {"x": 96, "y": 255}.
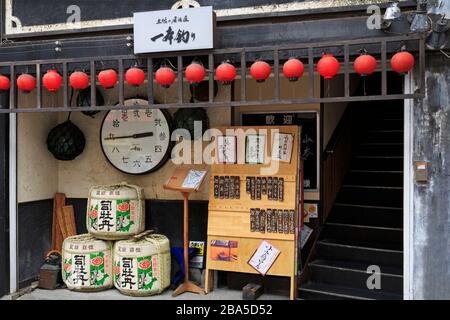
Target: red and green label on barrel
{"x": 145, "y": 273}
{"x": 123, "y": 218}
{"x": 97, "y": 269}
{"x": 96, "y": 262}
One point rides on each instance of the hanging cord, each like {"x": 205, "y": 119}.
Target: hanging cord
{"x": 70, "y": 103}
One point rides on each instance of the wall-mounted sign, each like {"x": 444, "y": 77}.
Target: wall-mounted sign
{"x": 174, "y": 30}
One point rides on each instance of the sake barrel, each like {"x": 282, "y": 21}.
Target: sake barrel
{"x": 87, "y": 263}
{"x": 142, "y": 265}
{"x": 115, "y": 212}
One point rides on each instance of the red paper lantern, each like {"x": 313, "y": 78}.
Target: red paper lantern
{"x": 5, "y": 83}
{"x": 195, "y": 73}
{"x": 293, "y": 69}
{"x": 225, "y": 73}
{"x": 365, "y": 65}
{"x": 26, "y": 83}
{"x": 79, "y": 80}
{"x": 165, "y": 77}
{"x": 135, "y": 76}
{"x": 52, "y": 80}
{"x": 107, "y": 78}
{"x": 260, "y": 71}
{"x": 402, "y": 62}
{"x": 328, "y": 66}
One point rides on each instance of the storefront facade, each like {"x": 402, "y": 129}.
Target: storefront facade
{"x": 247, "y": 31}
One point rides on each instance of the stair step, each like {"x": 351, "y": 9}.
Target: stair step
{"x": 382, "y": 136}
{"x": 385, "y": 149}
{"x": 357, "y": 266}
{"x": 320, "y": 291}
{"x": 374, "y": 187}
{"x": 384, "y": 197}
{"x": 391, "y": 238}
{"x": 327, "y": 249}
{"x": 384, "y": 124}
{"x": 354, "y": 275}
{"x": 371, "y": 216}
{"x": 377, "y": 163}
{"x": 375, "y": 178}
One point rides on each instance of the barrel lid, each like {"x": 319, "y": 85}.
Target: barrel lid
{"x": 144, "y": 238}
{"x": 121, "y": 190}
{"x": 84, "y": 239}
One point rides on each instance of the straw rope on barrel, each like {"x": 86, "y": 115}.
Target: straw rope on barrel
{"x": 142, "y": 264}
{"x": 87, "y": 263}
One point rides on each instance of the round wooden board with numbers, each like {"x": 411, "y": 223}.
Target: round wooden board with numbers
{"x": 136, "y": 141}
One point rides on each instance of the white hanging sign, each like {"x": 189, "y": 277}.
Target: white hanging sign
{"x": 174, "y": 30}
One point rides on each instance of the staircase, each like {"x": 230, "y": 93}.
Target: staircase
{"x": 365, "y": 224}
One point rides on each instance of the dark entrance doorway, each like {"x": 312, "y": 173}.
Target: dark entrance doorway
{"x": 362, "y": 232}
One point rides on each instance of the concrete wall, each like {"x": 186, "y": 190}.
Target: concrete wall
{"x": 431, "y": 202}
{"x": 37, "y": 169}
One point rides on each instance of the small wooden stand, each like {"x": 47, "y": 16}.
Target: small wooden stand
{"x": 175, "y": 183}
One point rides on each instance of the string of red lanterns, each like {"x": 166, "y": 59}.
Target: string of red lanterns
{"x": 293, "y": 69}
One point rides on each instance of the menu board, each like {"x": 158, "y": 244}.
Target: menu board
{"x": 193, "y": 179}
{"x": 309, "y": 139}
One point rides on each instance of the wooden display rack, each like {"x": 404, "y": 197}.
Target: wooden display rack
{"x": 229, "y": 219}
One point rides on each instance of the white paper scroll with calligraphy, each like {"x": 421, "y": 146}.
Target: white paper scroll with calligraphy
{"x": 282, "y": 147}
{"x": 255, "y": 149}
{"x": 264, "y": 257}
{"x": 227, "y": 149}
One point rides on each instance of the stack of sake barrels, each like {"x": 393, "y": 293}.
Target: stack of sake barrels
{"x": 117, "y": 251}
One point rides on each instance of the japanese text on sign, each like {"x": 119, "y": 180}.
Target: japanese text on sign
{"x": 173, "y": 30}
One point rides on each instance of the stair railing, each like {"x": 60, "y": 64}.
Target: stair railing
{"x": 336, "y": 160}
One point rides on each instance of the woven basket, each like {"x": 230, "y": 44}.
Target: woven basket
{"x": 87, "y": 263}
{"x": 115, "y": 212}
{"x": 142, "y": 265}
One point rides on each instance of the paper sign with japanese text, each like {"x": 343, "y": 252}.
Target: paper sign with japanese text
{"x": 174, "y": 30}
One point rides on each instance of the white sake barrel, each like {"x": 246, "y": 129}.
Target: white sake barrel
{"x": 87, "y": 263}
{"x": 142, "y": 264}
{"x": 115, "y": 212}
